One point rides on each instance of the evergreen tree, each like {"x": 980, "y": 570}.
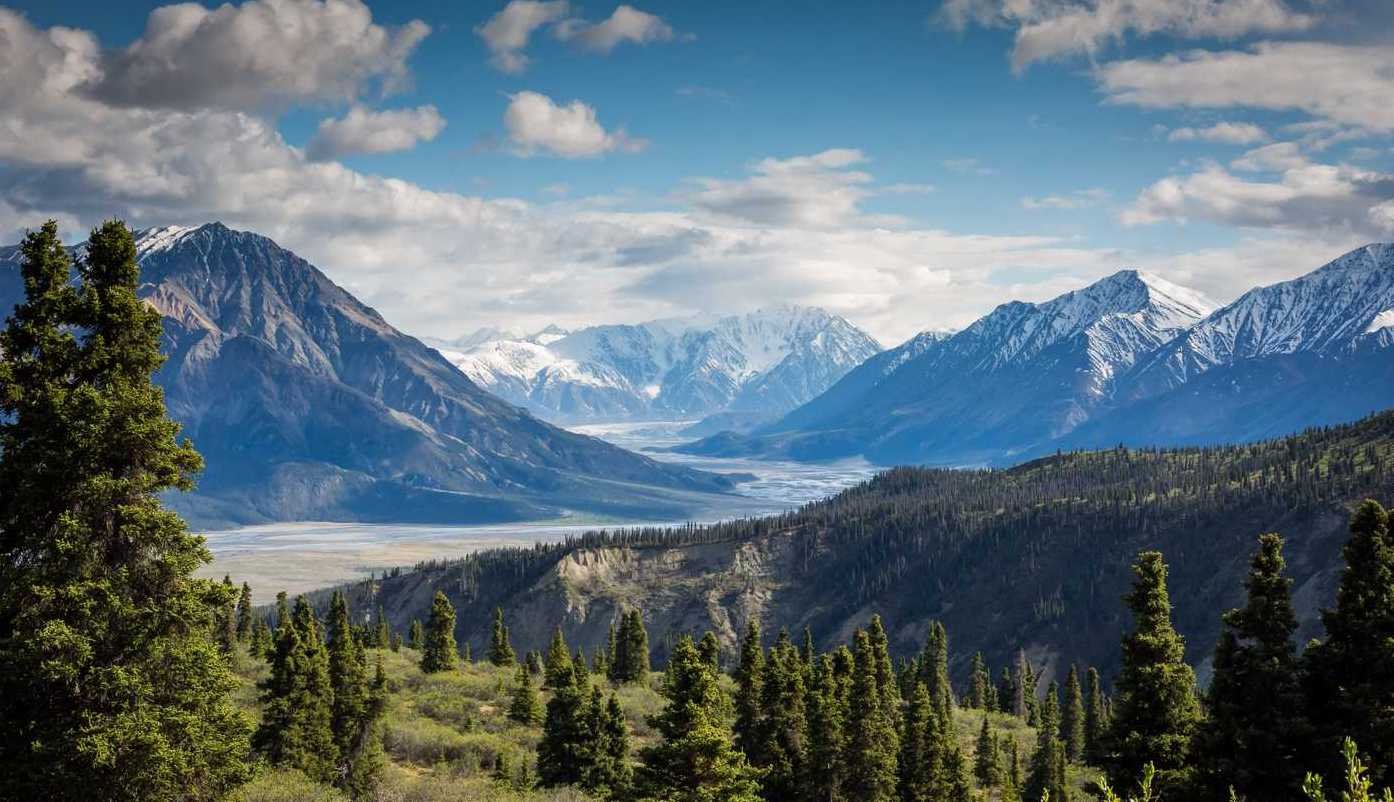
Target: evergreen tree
{"x": 1022, "y": 692}
{"x": 415, "y": 635}
{"x": 382, "y": 633}
{"x": 227, "y": 618}
{"x": 920, "y": 765}
{"x": 783, "y": 729}
{"x": 749, "y": 688}
{"x": 1047, "y": 774}
{"x": 980, "y": 682}
{"x": 525, "y": 707}
{"x": 244, "y": 614}
{"x": 438, "y": 649}
{"x": 1249, "y": 741}
{"x": 565, "y": 753}
{"x": 111, "y": 684}
{"x": 297, "y": 701}
{"x": 261, "y": 645}
{"x": 1093, "y": 716}
{"x": 887, "y": 688}
{"x": 558, "y": 669}
{"x": 872, "y": 738}
{"x": 934, "y": 667}
{"x": 1006, "y": 692}
{"x": 631, "y": 650}
{"x": 607, "y": 775}
{"x": 1072, "y": 718}
{"x": 807, "y": 653}
{"x": 1350, "y": 675}
{"x": 710, "y": 650}
{"x": 1156, "y": 710}
{"x": 695, "y": 761}
{"x": 987, "y": 766}
{"x": 357, "y": 705}
{"x": 500, "y": 649}
{"x": 827, "y": 742}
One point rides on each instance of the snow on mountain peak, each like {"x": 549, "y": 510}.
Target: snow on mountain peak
{"x": 153, "y": 240}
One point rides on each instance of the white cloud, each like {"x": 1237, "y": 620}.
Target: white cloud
{"x": 366, "y": 131}
{"x": 1225, "y": 133}
{"x": 259, "y": 53}
{"x": 1327, "y": 199}
{"x": 626, "y": 24}
{"x": 804, "y": 191}
{"x": 1049, "y": 29}
{"x": 1339, "y": 83}
{"x": 1278, "y": 156}
{"x": 535, "y": 125}
{"x": 507, "y": 33}
{"x": 1079, "y": 199}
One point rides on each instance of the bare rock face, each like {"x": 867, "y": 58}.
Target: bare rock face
{"x": 306, "y": 404}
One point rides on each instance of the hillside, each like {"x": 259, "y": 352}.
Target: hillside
{"x": 1035, "y": 555}
{"x": 308, "y": 405}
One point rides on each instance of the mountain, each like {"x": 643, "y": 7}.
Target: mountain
{"x": 307, "y": 405}
{"x": 1018, "y": 378}
{"x": 758, "y": 365}
{"x": 1034, "y": 557}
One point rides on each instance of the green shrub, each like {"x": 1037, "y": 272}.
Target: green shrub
{"x": 285, "y": 785}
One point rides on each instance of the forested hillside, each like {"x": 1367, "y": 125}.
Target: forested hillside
{"x": 1036, "y": 555}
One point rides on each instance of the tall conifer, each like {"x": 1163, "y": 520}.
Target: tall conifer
{"x": 749, "y": 687}
{"x": 1072, "y": 718}
{"x": 500, "y": 647}
{"x": 438, "y": 647}
{"x": 872, "y": 740}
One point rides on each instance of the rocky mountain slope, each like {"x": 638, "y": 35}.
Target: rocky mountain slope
{"x": 1033, "y": 557}
{"x": 759, "y": 364}
{"x": 1130, "y": 359}
{"x": 307, "y": 405}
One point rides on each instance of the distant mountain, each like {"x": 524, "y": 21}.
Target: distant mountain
{"x": 753, "y": 366}
{"x": 1019, "y": 377}
{"x": 307, "y": 405}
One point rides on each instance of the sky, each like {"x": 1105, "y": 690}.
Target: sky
{"x": 908, "y": 165}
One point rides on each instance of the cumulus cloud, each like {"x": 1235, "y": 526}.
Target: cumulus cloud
{"x": 626, "y": 24}
{"x": 508, "y": 32}
{"x": 1079, "y": 199}
{"x": 366, "y": 131}
{"x": 259, "y": 53}
{"x": 1339, "y": 83}
{"x": 1304, "y": 196}
{"x": 804, "y": 191}
{"x": 1225, "y": 133}
{"x": 536, "y": 124}
{"x": 1050, "y": 29}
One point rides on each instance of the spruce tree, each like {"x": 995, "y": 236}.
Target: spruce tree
{"x": 297, "y": 728}
{"x": 783, "y": 729}
{"x": 934, "y": 667}
{"x": 920, "y": 765}
{"x": 607, "y": 774}
{"x": 1072, "y": 718}
{"x": 565, "y": 752}
{"x": 1047, "y": 774}
{"x": 887, "y": 687}
{"x": 525, "y": 707}
{"x": 695, "y": 760}
{"x": 631, "y": 650}
{"x": 558, "y": 667}
{"x": 227, "y": 618}
{"x": 827, "y": 742}
{"x": 1006, "y": 692}
{"x": 980, "y": 682}
{"x": 1156, "y": 709}
{"x": 1093, "y": 716}
{"x": 710, "y": 650}
{"x": 382, "y": 633}
{"x": 1349, "y": 676}
{"x": 872, "y": 739}
{"x": 358, "y": 704}
{"x": 1022, "y": 692}
{"x": 438, "y": 649}
{"x": 500, "y": 649}
{"x": 749, "y": 688}
{"x": 111, "y": 683}
{"x": 1249, "y": 740}
{"x": 244, "y": 614}
{"x": 415, "y": 634}
{"x": 987, "y": 766}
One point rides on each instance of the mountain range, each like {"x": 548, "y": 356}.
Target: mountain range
{"x": 307, "y": 405}
{"x": 752, "y": 367}
{"x": 1129, "y": 359}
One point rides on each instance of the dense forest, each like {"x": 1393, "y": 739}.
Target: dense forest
{"x": 123, "y": 677}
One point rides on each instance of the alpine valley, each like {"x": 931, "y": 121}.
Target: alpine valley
{"x": 1131, "y": 359}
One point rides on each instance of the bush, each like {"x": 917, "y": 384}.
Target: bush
{"x": 285, "y": 785}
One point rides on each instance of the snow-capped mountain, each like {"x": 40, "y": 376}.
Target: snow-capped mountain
{"x": 306, "y": 404}
{"x": 765, "y": 362}
{"x": 1130, "y": 359}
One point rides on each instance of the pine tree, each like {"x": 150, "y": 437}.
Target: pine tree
{"x": 920, "y": 765}
{"x": 525, "y": 707}
{"x": 500, "y": 650}
{"x": 1072, "y": 718}
{"x": 558, "y": 669}
{"x": 244, "y": 614}
{"x": 382, "y": 633}
{"x": 749, "y": 687}
{"x": 112, "y": 685}
{"x": 565, "y": 752}
{"x": 1156, "y": 709}
{"x": 1093, "y": 717}
{"x": 783, "y": 730}
{"x": 872, "y": 738}
{"x": 827, "y": 742}
{"x": 357, "y": 705}
{"x": 297, "y": 701}
{"x": 1249, "y": 741}
{"x": 1047, "y": 774}
{"x": 631, "y": 650}
{"x": 415, "y": 634}
{"x": 695, "y": 761}
{"x": 710, "y": 650}
{"x": 1349, "y": 676}
{"x": 607, "y": 774}
{"x": 934, "y": 667}
{"x": 438, "y": 649}
{"x": 986, "y": 757}
{"x": 887, "y": 687}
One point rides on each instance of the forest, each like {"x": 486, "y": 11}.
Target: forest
{"x": 123, "y": 677}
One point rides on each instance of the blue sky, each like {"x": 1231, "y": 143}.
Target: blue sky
{"x": 907, "y": 164}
